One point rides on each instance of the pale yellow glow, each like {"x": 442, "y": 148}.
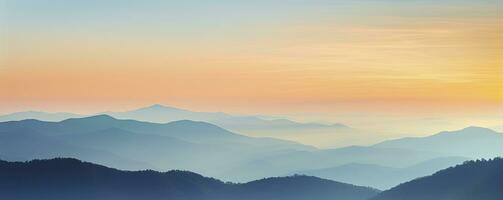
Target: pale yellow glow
{"x": 376, "y": 63}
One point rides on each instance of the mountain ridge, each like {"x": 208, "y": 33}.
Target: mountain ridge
{"x": 64, "y": 178}
{"x": 196, "y": 146}
{"x": 383, "y": 177}
{"x": 472, "y": 141}
{"x": 472, "y": 180}
{"x": 156, "y": 112}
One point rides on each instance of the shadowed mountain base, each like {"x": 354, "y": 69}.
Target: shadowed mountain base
{"x": 65, "y": 179}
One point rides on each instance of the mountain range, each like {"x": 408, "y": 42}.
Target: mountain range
{"x": 162, "y": 114}
{"x": 64, "y": 179}
{"x": 213, "y": 151}
{"x": 400, "y": 160}
{"x": 474, "y": 142}
{"x": 296, "y": 161}
{"x": 43, "y": 116}
{"x": 191, "y": 145}
{"x": 259, "y": 126}
{"x": 382, "y": 177}
{"x": 450, "y": 147}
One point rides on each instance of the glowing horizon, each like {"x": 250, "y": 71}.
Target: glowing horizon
{"x": 264, "y": 56}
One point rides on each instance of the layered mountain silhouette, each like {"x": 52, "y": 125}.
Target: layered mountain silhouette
{"x": 162, "y": 114}
{"x": 385, "y": 164}
{"x": 44, "y": 116}
{"x": 213, "y": 151}
{"x": 261, "y": 126}
{"x": 474, "y": 142}
{"x": 382, "y": 177}
{"x": 129, "y": 144}
{"x": 64, "y": 179}
{"x": 296, "y": 161}
{"x": 445, "y": 149}
{"x": 473, "y": 180}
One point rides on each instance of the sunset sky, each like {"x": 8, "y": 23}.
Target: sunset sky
{"x": 263, "y": 56}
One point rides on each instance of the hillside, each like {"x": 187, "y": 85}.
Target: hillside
{"x": 473, "y": 180}
{"x": 62, "y": 179}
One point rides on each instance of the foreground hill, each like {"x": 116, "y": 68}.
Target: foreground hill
{"x": 62, "y": 179}
{"x": 474, "y": 180}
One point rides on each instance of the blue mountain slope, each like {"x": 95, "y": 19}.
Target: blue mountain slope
{"x": 163, "y": 114}
{"x": 192, "y": 131}
{"x": 473, "y": 142}
{"x": 382, "y": 177}
{"x": 195, "y": 146}
{"x": 307, "y": 160}
{"x": 27, "y": 145}
{"x": 44, "y": 116}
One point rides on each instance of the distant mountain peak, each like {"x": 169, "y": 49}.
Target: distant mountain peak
{"x": 469, "y": 130}
{"x": 340, "y": 125}
{"x": 188, "y": 121}
{"x": 42, "y": 116}
{"x": 160, "y": 107}
{"x": 477, "y": 128}
{"x": 101, "y": 117}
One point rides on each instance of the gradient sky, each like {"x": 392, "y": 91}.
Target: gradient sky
{"x": 262, "y": 56}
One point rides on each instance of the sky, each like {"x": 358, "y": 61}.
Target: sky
{"x": 302, "y": 58}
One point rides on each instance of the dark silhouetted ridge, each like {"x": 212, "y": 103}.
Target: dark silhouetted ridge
{"x": 300, "y": 187}
{"x": 65, "y": 179}
{"x": 473, "y": 180}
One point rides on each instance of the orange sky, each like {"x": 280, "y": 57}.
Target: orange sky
{"x": 319, "y": 63}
